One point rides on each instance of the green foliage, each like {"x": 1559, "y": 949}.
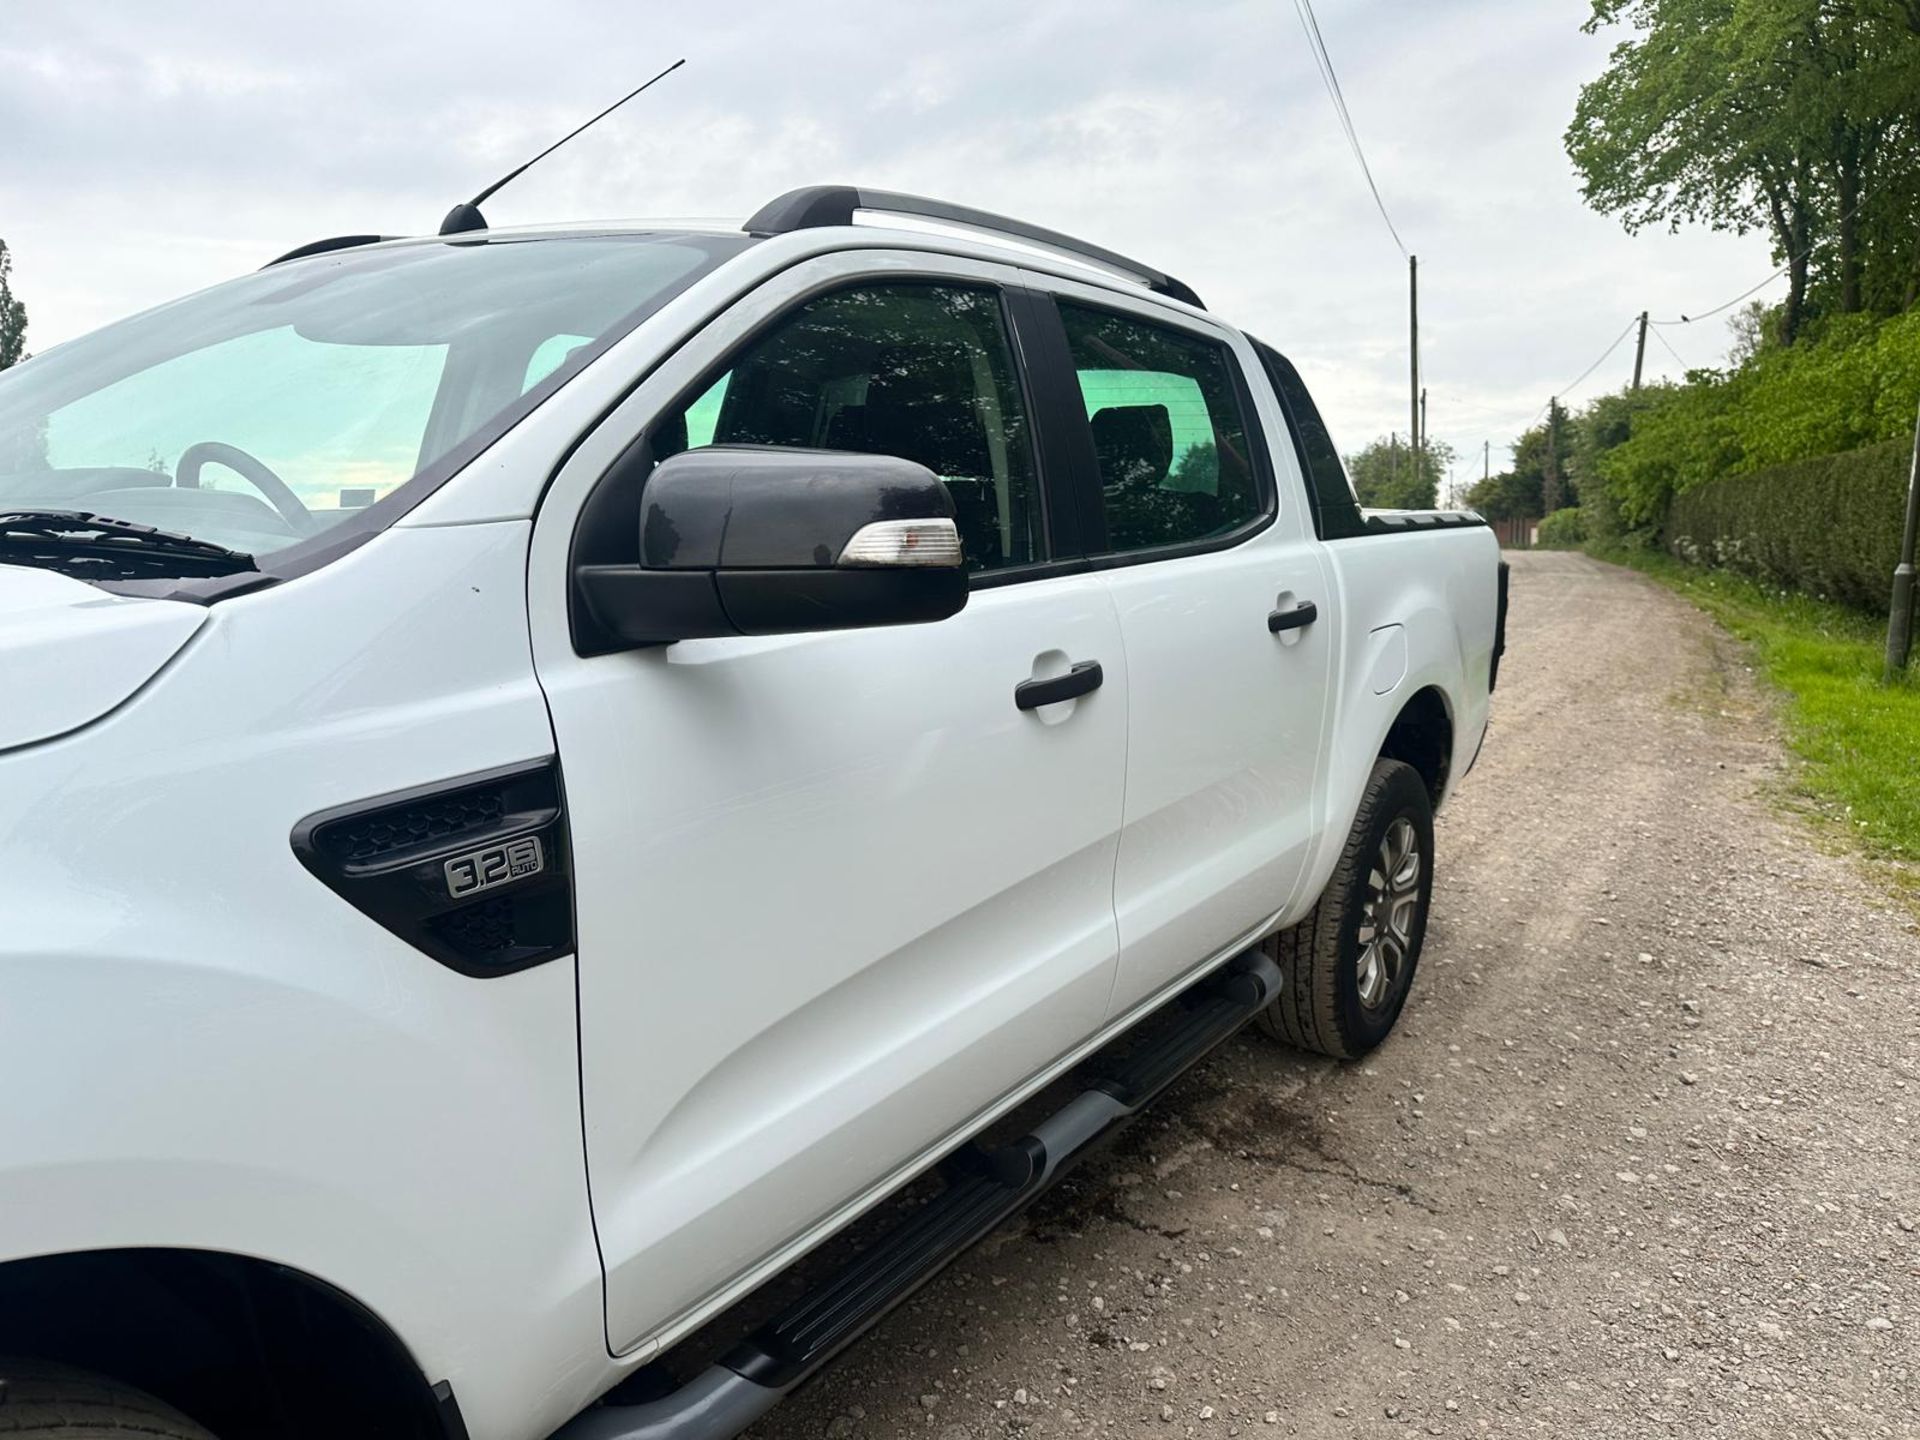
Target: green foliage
{"x": 1563, "y": 530}
{"x": 1855, "y": 385}
{"x": 1544, "y": 475}
{"x": 1828, "y": 526}
{"x": 1506, "y": 496}
{"x": 1795, "y": 116}
{"x": 1384, "y": 478}
{"x": 13, "y": 315}
{"x": 1855, "y": 735}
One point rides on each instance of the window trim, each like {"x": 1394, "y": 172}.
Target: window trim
{"x": 638, "y": 452}
{"x": 1078, "y": 443}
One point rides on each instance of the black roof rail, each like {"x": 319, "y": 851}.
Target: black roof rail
{"x": 321, "y": 247}
{"x": 815, "y": 206}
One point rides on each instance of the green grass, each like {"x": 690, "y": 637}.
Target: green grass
{"x": 1859, "y": 739}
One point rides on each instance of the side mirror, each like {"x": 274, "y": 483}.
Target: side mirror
{"x": 740, "y": 540}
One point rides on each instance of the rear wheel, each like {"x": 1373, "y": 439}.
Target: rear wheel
{"x": 1350, "y": 962}
{"x": 38, "y": 1398}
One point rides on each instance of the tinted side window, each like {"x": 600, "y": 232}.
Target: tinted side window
{"x": 923, "y": 372}
{"x": 1336, "y": 512}
{"x": 1167, "y": 430}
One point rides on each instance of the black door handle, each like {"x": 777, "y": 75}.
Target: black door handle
{"x": 1082, "y": 679}
{"x": 1298, "y": 618}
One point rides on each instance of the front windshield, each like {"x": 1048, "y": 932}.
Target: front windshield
{"x": 272, "y": 408}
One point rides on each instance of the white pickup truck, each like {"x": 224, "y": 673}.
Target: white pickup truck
{"x": 545, "y": 774}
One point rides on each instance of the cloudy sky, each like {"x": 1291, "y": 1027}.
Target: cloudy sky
{"x": 153, "y": 149}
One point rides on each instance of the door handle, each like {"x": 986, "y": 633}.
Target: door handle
{"x": 1298, "y": 618}
{"x": 1082, "y": 679}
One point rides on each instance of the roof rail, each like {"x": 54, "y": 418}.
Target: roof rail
{"x": 321, "y": 247}
{"x": 815, "y": 206}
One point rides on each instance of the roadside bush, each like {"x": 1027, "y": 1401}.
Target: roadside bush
{"x": 1853, "y": 385}
{"x": 1563, "y": 530}
{"x": 1828, "y": 526}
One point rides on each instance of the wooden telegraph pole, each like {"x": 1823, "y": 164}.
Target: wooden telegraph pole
{"x": 1550, "y": 490}
{"x": 1640, "y": 355}
{"x": 1413, "y": 353}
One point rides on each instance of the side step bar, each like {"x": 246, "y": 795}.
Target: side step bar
{"x": 751, "y": 1378}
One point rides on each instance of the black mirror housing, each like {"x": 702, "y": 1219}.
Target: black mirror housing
{"x": 746, "y": 540}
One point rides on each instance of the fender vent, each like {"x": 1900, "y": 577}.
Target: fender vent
{"x": 392, "y": 831}
{"x": 473, "y": 871}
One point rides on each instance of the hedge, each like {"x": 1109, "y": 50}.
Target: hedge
{"x": 1828, "y": 526}
{"x": 1563, "y": 530}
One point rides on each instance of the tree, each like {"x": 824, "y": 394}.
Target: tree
{"x": 1384, "y": 477}
{"x": 1505, "y": 496}
{"x": 13, "y": 316}
{"x": 1793, "y": 116}
{"x": 1752, "y": 328}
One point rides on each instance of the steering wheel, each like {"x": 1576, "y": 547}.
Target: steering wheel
{"x": 278, "y": 493}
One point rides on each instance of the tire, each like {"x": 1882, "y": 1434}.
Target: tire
{"x": 39, "y": 1398}
{"x": 1343, "y": 994}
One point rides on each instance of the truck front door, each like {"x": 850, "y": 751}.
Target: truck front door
{"x": 837, "y": 893}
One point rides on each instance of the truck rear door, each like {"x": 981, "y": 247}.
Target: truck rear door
{"x": 1221, "y": 591}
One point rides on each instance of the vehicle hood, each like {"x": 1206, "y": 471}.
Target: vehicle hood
{"x": 69, "y": 652}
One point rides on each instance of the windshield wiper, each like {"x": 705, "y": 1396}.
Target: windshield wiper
{"x": 90, "y": 546}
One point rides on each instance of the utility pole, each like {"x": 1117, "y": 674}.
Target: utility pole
{"x": 1640, "y": 355}
{"x": 1486, "y": 460}
{"x": 1413, "y": 351}
{"x": 1550, "y": 487}
{"x": 1900, "y": 622}
{"x": 1393, "y": 455}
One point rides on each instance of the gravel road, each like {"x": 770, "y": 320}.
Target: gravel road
{"x": 1639, "y": 1160}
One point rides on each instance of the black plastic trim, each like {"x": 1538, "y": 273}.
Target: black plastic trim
{"x": 1075, "y": 528}
{"x": 1399, "y": 522}
{"x": 818, "y": 206}
{"x": 1083, "y": 679}
{"x": 1330, "y": 498}
{"x": 453, "y": 1425}
{"x": 1298, "y": 618}
{"x": 322, "y": 247}
{"x": 986, "y": 1187}
{"x": 1499, "y": 634}
{"x": 404, "y": 888}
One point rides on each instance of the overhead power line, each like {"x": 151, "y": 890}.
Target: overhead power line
{"x": 1567, "y": 390}
{"x": 1744, "y": 294}
{"x": 1671, "y": 351}
{"x": 1709, "y": 314}
{"x": 1317, "y": 45}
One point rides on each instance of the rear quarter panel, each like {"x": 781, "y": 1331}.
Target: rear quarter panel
{"x": 1440, "y": 587}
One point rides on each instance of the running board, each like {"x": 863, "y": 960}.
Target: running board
{"x": 750, "y": 1379}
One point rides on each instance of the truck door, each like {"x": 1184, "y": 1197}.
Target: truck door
{"x": 1223, "y": 606}
{"x": 839, "y": 892}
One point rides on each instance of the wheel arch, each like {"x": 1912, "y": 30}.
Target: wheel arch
{"x": 1422, "y": 735}
{"x": 244, "y": 1346}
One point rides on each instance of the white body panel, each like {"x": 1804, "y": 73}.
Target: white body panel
{"x": 223, "y": 1056}
{"x": 47, "y": 620}
{"x": 838, "y": 901}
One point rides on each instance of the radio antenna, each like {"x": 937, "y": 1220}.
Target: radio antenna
{"x": 468, "y": 217}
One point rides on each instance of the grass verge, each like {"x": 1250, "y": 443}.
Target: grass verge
{"x": 1859, "y": 739}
